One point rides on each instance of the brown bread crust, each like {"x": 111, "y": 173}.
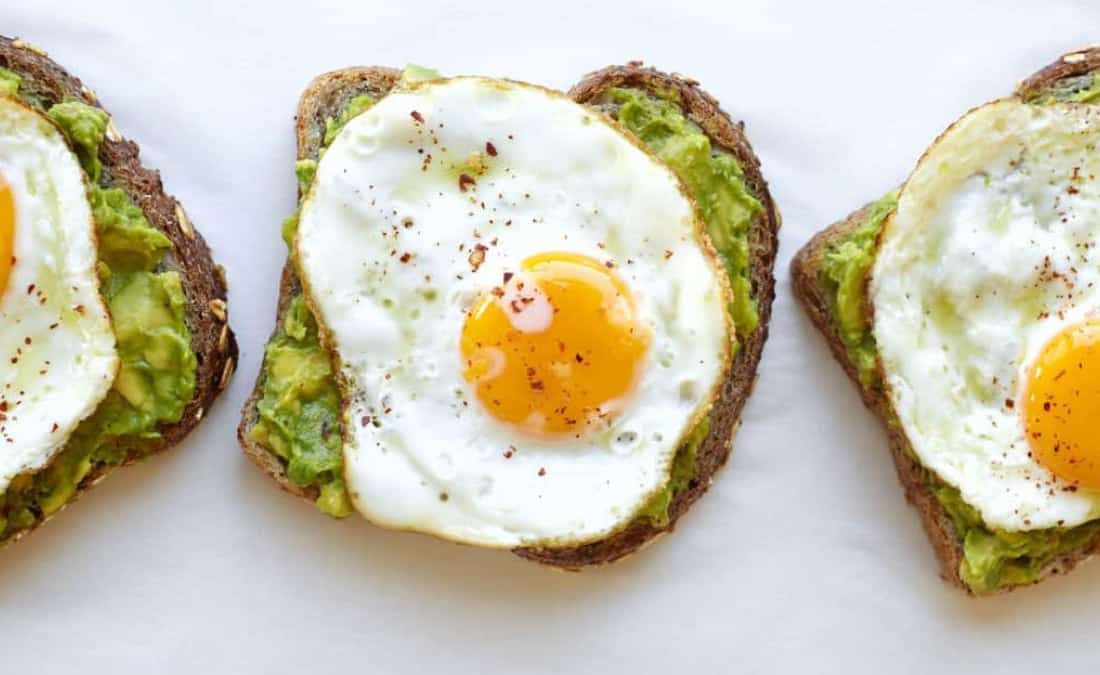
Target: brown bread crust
{"x": 326, "y": 96}
{"x": 206, "y": 312}
{"x": 805, "y": 278}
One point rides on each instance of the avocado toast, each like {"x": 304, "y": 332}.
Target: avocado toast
{"x": 168, "y": 304}
{"x": 655, "y": 107}
{"x": 831, "y": 278}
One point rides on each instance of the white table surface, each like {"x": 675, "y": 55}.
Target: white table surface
{"x": 802, "y": 557}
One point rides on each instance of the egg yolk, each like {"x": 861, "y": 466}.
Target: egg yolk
{"x": 557, "y": 347}
{"x": 1062, "y": 407}
{"x": 7, "y": 232}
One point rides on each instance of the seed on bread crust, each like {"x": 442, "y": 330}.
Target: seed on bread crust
{"x": 23, "y": 44}
{"x": 227, "y": 373}
{"x": 223, "y": 338}
{"x": 112, "y": 132}
{"x": 185, "y": 222}
{"x": 219, "y": 309}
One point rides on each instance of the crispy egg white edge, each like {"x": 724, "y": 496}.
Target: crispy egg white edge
{"x": 96, "y": 365}
{"x": 699, "y": 239}
{"x": 977, "y": 474}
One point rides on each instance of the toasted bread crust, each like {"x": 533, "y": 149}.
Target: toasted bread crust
{"x": 325, "y": 97}
{"x": 805, "y": 278}
{"x": 206, "y": 313}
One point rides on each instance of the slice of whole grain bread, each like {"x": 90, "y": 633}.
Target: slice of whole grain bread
{"x": 805, "y": 274}
{"x": 204, "y": 284}
{"x": 326, "y": 96}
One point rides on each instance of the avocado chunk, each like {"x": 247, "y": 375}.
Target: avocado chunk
{"x": 299, "y": 412}
{"x": 844, "y": 274}
{"x": 9, "y": 82}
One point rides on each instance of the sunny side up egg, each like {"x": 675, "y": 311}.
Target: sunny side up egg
{"x": 986, "y": 295}
{"x": 56, "y": 342}
{"x": 525, "y": 311}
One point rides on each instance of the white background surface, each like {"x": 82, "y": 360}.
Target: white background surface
{"x": 803, "y": 556}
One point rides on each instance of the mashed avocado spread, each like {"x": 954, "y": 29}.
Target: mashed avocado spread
{"x": 157, "y": 374}
{"x": 992, "y": 559}
{"x": 299, "y": 411}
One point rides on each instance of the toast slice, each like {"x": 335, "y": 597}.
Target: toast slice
{"x": 326, "y": 97}
{"x": 1071, "y": 73}
{"x": 204, "y": 284}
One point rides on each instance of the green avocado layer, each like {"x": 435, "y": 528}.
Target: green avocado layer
{"x": 714, "y": 178}
{"x": 156, "y": 378}
{"x": 717, "y": 182}
{"x": 992, "y": 558}
{"x": 300, "y": 395}
{"x": 299, "y": 411}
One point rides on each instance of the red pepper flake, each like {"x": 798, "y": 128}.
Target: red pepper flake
{"x": 465, "y": 181}
{"x": 542, "y": 471}
{"x": 406, "y": 257}
{"x": 668, "y": 254}
{"x": 477, "y": 256}
{"x": 417, "y": 116}
{"x": 508, "y": 277}
{"x": 509, "y": 452}
{"x": 1009, "y": 403}
{"x": 54, "y": 428}
{"x": 490, "y": 149}
{"x": 537, "y": 385}
{"x": 497, "y": 292}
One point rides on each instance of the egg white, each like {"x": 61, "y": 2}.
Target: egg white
{"x": 56, "y": 341}
{"x": 962, "y": 304}
{"x": 384, "y": 247}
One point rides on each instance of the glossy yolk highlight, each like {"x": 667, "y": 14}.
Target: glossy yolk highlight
{"x": 558, "y": 347}
{"x": 1062, "y": 407}
{"x": 7, "y": 232}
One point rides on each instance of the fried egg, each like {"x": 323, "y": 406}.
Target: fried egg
{"x": 986, "y": 296}
{"x": 526, "y": 315}
{"x": 56, "y": 341}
